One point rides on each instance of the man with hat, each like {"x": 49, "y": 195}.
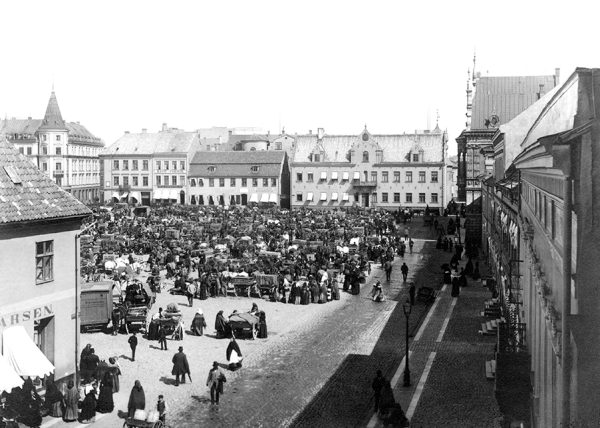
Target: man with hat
{"x": 215, "y": 382}
{"x": 180, "y": 366}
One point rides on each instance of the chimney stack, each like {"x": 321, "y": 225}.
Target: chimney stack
{"x": 29, "y": 118}
{"x": 556, "y": 76}
{"x": 127, "y": 132}
{"x": 144, "y": 130}
{"x": 164, "y": 127}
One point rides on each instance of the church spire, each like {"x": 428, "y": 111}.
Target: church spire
{"x": 53, "y": 119}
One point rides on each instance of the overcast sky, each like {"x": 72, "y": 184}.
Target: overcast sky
{"x": 127, "y": 65}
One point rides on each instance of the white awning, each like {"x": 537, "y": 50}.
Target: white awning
{"x": 136, "y": 195}
{"x": 264, "y": 197}
{"x": 158, "y": 194}
{"x": 124, "y": 195}
{"x": 323, "y": 196}
{"x": 323, "y": 175}
{"x": 309, "y": 196}
{"x": 334, "y": 175}
{"x": 334, "y": 196}
{"x": 254, "y": 197}
{"x": 346, "y": 176}
{"x": 173, "y": 193}
{"x": 356, "y": 175}
{"x": 115, "y": 195}
{"x": 345, "y": 197}
{"x": 273, "y": 197}
{"x": 9, "y": 379}
{"x": 23, "y": 355}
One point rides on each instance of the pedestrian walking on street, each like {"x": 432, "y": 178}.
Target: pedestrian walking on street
{"x": 71, "y": 400}
{"x": 116, "y": 321}
{"x": 404, "y": 270}
{"x": 411, "y": 293}
{"x": 161, "y": 408}
{"x": 388, "y": 270}
{"x": 191, "y": 291}
{"x": 234, "y": 355}
{"x": 198, "y": 323}
{"x": 133, "y": 342}
{"x": 377, "y": 384}
{"x": 215, "y": 382}
{"x": 137, "y": 399}
{"x": 410, "y": 244}
{"x": 162, "y": 338}
{"x": 180, "y": 366}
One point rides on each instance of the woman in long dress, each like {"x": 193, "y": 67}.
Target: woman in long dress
{"x": 105, "y": 398}
{"x": 221, "y": 326}
{"x": 115, "y": 372}
{"x": 198, "y": 323}
{"x": 234, "y": 355}
{"x": 137, "y": 399}
{"x": 54, "y": 400}
{"x": 88, "y": 408}
{"x": 71, "y": 400}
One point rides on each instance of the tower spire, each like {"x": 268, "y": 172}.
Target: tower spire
{"x": 474, "y": 62}
{"x": 53, "y": 118}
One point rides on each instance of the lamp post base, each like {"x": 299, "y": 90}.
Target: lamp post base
{"x": 406, "y": 378}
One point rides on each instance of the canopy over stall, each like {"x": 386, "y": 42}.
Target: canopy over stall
{"x": 23, "y": 355}
{"x": 264, "y": 197}
{"x": 254, "y": 197}
{"x": 273, "y": 198}
{"x": 9, "y": 379}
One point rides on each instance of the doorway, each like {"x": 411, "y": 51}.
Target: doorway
{"x": 365, "y": 198}
{"x": 182, "y": 197}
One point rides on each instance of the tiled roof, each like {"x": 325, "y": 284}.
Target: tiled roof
{"x": 26, "y": 194}
{"x": 237, "y": 163}
{"x": 53, "y": 119}
{"x": 506, "y": 97}
{"x": 153, "y": 143}
{"x": 395, "y": 147}
{"x": 19, "y": 126}
{"x": 79, "y": 133}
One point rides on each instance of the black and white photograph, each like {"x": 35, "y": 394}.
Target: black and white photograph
{"x": 299, "y": 214}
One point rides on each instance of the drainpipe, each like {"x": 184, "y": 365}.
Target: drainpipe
{"x": 566, "y": 305}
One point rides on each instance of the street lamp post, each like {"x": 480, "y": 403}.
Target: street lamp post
{"x": 406, "y": 307}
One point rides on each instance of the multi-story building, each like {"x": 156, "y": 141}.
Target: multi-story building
{"x": 144, "y": 167}
{"x": 386, "y": 171}
{"x": 240, "y": 177}
{"x": 39, "y": 253}
{"x": 65, "y": 151}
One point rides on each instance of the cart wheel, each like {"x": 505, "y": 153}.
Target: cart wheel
{"x": 159, "y": 424}
{"x": 125, "y": 425}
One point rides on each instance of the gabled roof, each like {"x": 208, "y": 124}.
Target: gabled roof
{"x": 53, "y": 119}
{"x": 506, "y": 96}
{"x": 19, "y": 126}
{"x": 153, "y": 143}
{"x": 237, "y": 163}
{"x": 26, "y": 194}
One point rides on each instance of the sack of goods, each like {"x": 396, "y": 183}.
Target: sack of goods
{"x": 152, "y": 416}
{"x": 140, "y": 415}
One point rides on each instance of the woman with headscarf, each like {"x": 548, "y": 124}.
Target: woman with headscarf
{"x": 323, "y": 292}
{"x": 305, "y": 294}
{"x": 262, "y": 325}
{"x": 137, "y": 399}
{"x": 234, "y": 355}
{"x": 88, "y": 408}
{"x": 221, "y": 326}
{"x": 115, "y": 371}
{"x": 198, "y": 323}
{"x": 54, "y": 400}
{"x": 105, "y": 398}
{"x": 30, "y": 405}
{"x": 71, "y": 400}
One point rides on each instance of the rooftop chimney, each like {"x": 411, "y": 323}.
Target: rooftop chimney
{"x": 29, "y": 118}
{"x": 164, "y": 127}
{"x": 127, "y": 132}
{"x": 556, "y": 76}
{"x": 144, "y": 130}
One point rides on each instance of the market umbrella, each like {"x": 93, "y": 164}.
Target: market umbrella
{"x": 9, "y": 379}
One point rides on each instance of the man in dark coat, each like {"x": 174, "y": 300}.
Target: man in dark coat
{"x": 133, "y": 342}
{"x": 162, "y": 338}
{"x": 377, "y": 385}
{"x": 388, "y": 269}
{"x": 404, "y": 270}
{"x": 180, "y": 366}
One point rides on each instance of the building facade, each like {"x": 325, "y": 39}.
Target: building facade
{"x": 240, "y": 178}
{"x": 141, "y": 168}
{"x": 65, "y": 151}
{"x": 385, "y": 171}
{"x": 39, "y": 249}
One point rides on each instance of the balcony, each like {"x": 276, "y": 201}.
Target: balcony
{"x": 58, "y": 173}
{"x": 365, "y": 183}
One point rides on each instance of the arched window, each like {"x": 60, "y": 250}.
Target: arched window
{"x": 200, "y": 182}
{"x": 365, "y": 156}
{"x": 193, "y": 182}
{"x": 254, "y": 168}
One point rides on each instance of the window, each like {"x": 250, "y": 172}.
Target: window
{"x": 232, "y": 182}
{"x": 125, "y": 181}
{"x": 58, "y": 166}
{"x": 421, "y": 198}
{"x": 545, "y": 211}
{"x": 44, "y": 166}
{"x": 125, "y": 165}
{"x": 384, "y": 197}
{"x": 166, "y": 180}
{"x": 299, "y": 177}
{"x": 182, "y": 180}
{"x": 434, "y": 176}
{"x": 44, "y": 261}
{"x": 397, "y": 197}
{"x": 158, "y": 180}
{"x": 421, "y": 176}
{"x": 316, "y": 157}
{"x": 273, "y": 182}
{"x": 58, "y": 138}
{"x": 45, "y": 150}
{"x": 145, "y": 180}
{"x": 211, "y": 182}
{"x": 28, "y": 150}
{"x": 158, "y": 165}
{"x": 22, "y": 150}
{"x": 193, "y": 182}
{"x": 265, "y": 182}
{"x": 174, "y": 180}
{"x": 200, "y": 182}
{"x": 299, "y": 197}
{"x": 552, "y": 219}
{"x": 396, "y": 176}
{"x": 116, "y": 164}
{"x": 145, "y": 165}
{"x": 254, "y": 168}
{"x": 309, "y": 177}
{"x": 212, "y": 168}
{"x": 415, "y": 158}
{"x": 244, "y": 182}
{"x": 408, "y": 177}
{"x": 254, "y": 182}
{"x": 134, "y": 165}
{"x": 409, "y": 197}
{"x": 221, "y": 182}
{"x": 115, "y": 180}
{"x": 434, "y": 198}
{"x": 365, "y": 157}
{"x": 374, "y": 176}
{"x": 384, "y": 177}
{"x": 44, "y": 137}
{"x": 182, "y": 165}
{"x": 166, "y": 165}
{"x": 374, "y": 198}
{"x": 356, "y": 197}
{"x": 174, "y": 165}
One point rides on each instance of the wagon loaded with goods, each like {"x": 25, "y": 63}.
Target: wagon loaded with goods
{"x": 244, "y": 325}
{"x": 141, "y": 419}
{"x": 138, "y": 301}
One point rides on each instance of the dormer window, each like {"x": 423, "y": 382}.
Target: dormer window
{"x": 316, "y": 157}
{"x": 193, "y": 182}
{"x": 365, "y": 157}
{"x": 212, "y": 168}
{"x": 254, "y": 168}
{"x": 415, "y": 157}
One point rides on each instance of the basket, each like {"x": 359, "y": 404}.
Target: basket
{"x": 140, "y": 415}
